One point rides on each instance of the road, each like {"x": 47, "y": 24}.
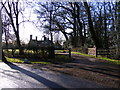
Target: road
{"x": 21, "y": 76}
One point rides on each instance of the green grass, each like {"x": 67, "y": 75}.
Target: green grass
{"x": 57, "y": 59}
{"x": 14, "y": 60}
{"x": 61, "y": 51}
{"x": 41, "y": 62}
{"x": 82, "y": 54}
{"x": 102, "y": 58}
{"x": 60, "y": 59}
{"x": 110, "y": 60}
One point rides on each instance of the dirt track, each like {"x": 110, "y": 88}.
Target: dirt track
{"x": 91, "y": 69}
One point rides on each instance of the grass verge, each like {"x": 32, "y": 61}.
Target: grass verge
{"x": 102, "y": 58}
{"x": 58, "y": 59}
{"x": 14, "y": 60}
{"x": 17, "y": 60}
{"x": 40, "y": 62}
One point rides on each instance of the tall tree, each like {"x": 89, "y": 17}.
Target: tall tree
{"x": 1, "y": 51}
{"x": 13, "y": 10}
{"x": 93, "y": 21}
{"x": 95, "y": 39}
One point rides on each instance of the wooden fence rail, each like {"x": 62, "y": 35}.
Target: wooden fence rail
{"x": 102, "y": 52}
{"x": 37, "y": 53}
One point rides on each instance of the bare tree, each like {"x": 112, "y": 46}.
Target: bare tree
{"x": 96, "y": 40}
{"x": 14, "y": 10}
{"x": 1, "y": 51}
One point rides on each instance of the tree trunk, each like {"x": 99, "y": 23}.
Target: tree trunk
{"x": 80, "y": 26}
{"x": 14, "y": 12}
{"x": 19, "y": 44}
{"x": 94, "y": 37}
{"x": 3, "y": 57}
{"x": 65, "y": 35}
{"x": 105, "y": 28}
{"x": 74, "y": 27}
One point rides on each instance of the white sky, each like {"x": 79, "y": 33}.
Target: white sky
{"x": 30, "y": 29}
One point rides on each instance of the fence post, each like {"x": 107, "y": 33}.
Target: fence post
{"x": 42, "y": 52}
{"x": 95, "y": 51}
{"x": 69, "y": 53}
{"x": 12, "y": 52}
{"x": 51, "y": 52}
{"x": 0, "y": 36}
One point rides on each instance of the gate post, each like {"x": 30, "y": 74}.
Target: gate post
{"x": 95, "y": 52}
{"x": 0, "y": 36}
{"x": 69, "y": 52}
{"x": 51, "y": 52}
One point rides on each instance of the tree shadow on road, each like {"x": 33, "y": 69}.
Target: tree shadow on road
{"x": 39, "y": 78}
{"x": 84, "y": 63}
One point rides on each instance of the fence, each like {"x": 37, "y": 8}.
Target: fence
{"x": 92, "y": 51}
{"x": 81, "y": 50}
{"x": 33, "y": 52}
{"x": 29, "y": 52}
{"x": 111, "y": 53}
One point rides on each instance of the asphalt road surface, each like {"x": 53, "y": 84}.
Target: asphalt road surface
{"x": 17, "y": 76}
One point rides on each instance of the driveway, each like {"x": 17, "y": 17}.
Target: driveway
{"x": 95, "y": 70}
{"x": 13, "y": 75}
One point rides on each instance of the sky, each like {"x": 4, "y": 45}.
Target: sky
{"x": 30, "y": 29}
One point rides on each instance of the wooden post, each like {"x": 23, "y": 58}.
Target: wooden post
{"x": 0, "y": 36}
{"x": 12, "y": 52}
{"x": 43, "y": 52}
{"x": 95, "y": 52}
{"x": 69, "y": 53}
{"x": 51, "y": 52}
